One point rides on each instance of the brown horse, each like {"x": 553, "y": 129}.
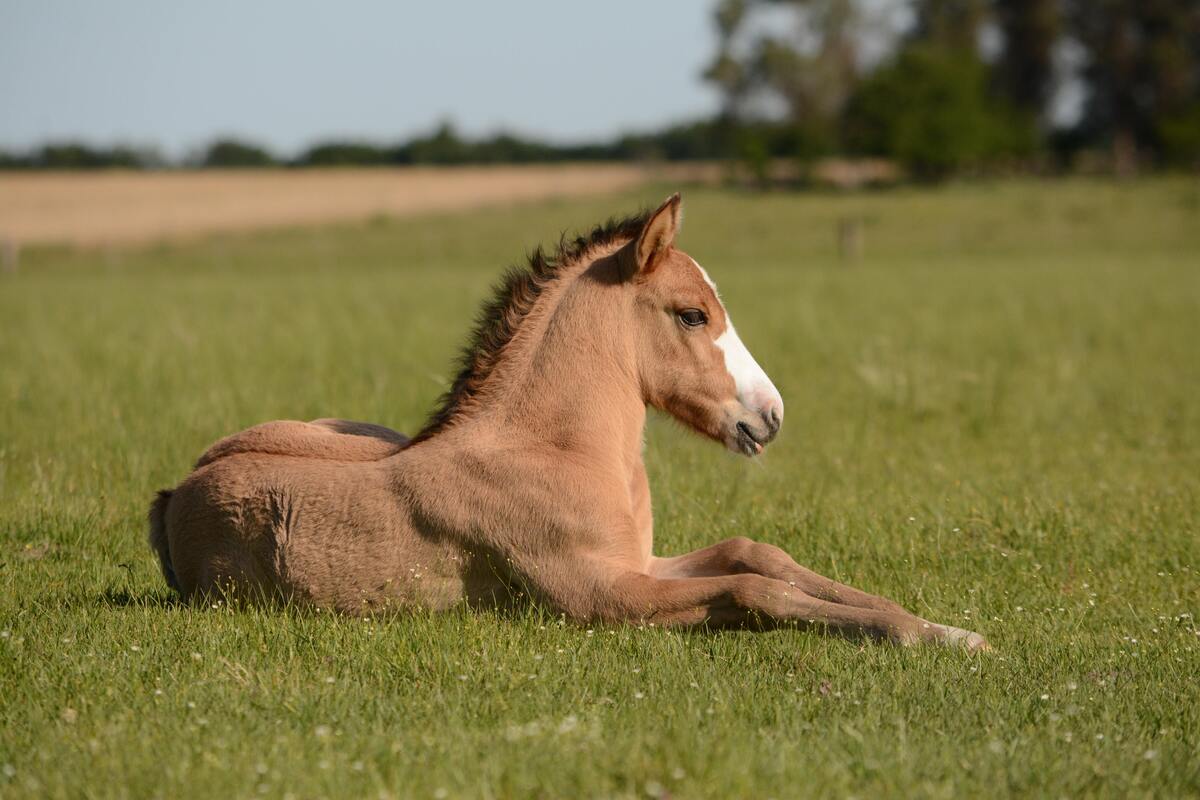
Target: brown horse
{"x": 529, "y": 477}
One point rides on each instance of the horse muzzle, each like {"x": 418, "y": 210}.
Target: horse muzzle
{"x": 751, "y": 430}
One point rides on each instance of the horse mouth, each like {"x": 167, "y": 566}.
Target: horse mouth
{"x": 748, "y": 443}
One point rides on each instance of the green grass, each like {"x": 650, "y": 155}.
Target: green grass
{"x": 994, "y": 417}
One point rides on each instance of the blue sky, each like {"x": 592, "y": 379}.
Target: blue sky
{"x": 176, "y": 74}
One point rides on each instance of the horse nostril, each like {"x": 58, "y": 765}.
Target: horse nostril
{"x": 772, "y": 420}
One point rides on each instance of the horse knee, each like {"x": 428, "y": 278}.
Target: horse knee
{"x": 746, "y": 555}
{"x": 739, "y": 554}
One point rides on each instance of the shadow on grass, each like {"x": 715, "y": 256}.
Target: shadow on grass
{"x": 124, "y": 598}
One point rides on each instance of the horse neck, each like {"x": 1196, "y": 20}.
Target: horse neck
{"x": 569, "y": 380}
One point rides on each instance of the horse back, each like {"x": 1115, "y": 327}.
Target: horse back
{"x": 325, "y": 439}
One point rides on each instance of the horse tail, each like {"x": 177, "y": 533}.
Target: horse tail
{"x": 158, "y": 536}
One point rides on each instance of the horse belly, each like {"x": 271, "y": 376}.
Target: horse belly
{"x": 327, "y": 534}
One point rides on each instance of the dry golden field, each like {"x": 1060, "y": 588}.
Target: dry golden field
{"x": 119, "y": 207}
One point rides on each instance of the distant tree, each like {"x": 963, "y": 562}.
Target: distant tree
{"x": 1143, "y": 74}
{"x": 930, "y": 109}
{"x": 785, "y": 85}
{"x": 234, "y": 153}
{"x": 443, "y": 146}
{"x": 686, "y": 142}
{"x": 1025, "y": 71}
{"x": 950, "y": 24}
{"x": 75, "y": 155}
{"x": 1180, "y": 137}
{"x": 727, "y": 72}
{"x": 10, "y": 160}
{"x": 813, "y": 72}
{"x": 339, "y": 154}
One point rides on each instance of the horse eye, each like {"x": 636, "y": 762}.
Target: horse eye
{"x": 692, "y": 317}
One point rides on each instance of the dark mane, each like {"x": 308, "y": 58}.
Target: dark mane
{"x": 512, "y": 299}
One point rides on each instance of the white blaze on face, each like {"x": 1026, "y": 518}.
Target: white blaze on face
{"x": 754, "y": 388}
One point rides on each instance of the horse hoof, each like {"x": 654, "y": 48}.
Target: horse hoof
{"x": 968, "y": 640}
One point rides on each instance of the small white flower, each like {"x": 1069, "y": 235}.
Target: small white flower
{"x": 1045, "y": 697}
{"x": 638, "y": 695}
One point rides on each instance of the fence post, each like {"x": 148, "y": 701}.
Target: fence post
{"x": 10, "y": 255}
{"x": 850, "y": 239}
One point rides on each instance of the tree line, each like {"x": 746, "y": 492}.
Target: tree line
{"x": 937, "y": 86}
{"x": 946, "y": 85}
{"x": 443, "y": 146}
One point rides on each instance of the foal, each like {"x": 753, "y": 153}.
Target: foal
{"x": 529, "y": 477}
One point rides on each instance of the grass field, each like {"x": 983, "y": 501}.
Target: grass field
{"x": 993, "y": 417}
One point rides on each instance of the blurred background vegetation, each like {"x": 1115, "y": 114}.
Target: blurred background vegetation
{"x": 932, "y": 87}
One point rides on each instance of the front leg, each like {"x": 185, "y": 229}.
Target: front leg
{"x": 741, "y": 555}
{"x": 591, "y": 590}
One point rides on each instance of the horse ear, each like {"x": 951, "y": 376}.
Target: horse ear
{"x": 657, "y": 236}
